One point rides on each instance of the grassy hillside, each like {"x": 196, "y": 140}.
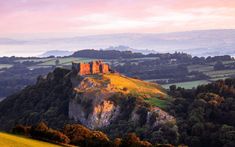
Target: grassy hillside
{"x": 150, "y": 92}
{"x": 130, "y": 85}
{"x": 8, "y": 140}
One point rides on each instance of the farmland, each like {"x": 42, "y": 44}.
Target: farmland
{"x": 187, "y": 85}
{"x": 205, "y": 69}
{"x": 2, "y": 66}
{"x": 179, "y": 69}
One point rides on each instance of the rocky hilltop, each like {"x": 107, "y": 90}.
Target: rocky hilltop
{"x": 94, "y": 100}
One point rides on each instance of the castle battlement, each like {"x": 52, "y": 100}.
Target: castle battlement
{"x": 93, "y": 67}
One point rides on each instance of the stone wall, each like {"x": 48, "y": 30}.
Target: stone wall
{"x": 84, "y": 68}
{"x": 95, "y": 67}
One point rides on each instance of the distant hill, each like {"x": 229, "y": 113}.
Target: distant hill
{"x": 56, "y": 53}
{"x": 106, "y": 54}
{"x": 126, "y": 48}
{"x": 197, "y": 43}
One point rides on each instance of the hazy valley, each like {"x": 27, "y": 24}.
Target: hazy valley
{"x": 197, "y": 43}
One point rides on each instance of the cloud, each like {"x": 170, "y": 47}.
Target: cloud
{"x": 113, "y": 16}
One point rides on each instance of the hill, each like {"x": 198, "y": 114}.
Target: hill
{"x": 106, "y": 54}
{"x": 7, "y": 140}
{"x": 56, "y": 53}
{"x": 98, "y": 101}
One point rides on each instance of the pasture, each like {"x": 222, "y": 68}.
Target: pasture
{"x": 187, "y": 85}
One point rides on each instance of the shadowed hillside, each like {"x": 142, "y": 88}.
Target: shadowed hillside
{"x": 97, "y": 101}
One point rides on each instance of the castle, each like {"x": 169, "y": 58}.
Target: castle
{"x": 93, "y": 67}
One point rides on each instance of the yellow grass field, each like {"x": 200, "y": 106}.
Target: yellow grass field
{"x": 138, "y": 86}
{"x": 152, "y": 93}
{"x": 8, "y": 140}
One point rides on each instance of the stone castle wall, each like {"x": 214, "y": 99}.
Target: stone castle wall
{"x": 94, "y": 67}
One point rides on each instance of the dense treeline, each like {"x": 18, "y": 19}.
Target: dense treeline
{"x": 106, "y": 54}
{"x": 172, "y": 68}
{"x": 79, "y": 135}
{"x": 115, "y": 54}
{"x": 48, "y": 99}
{"x": 206, "y": 115}
{"x": 17, "y": 77}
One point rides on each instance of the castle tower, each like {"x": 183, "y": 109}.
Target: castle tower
{"x": 104, "y": 68}
{"x": 94, "y": 67}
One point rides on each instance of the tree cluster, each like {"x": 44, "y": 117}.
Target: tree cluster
{"x": 205, "y": 115}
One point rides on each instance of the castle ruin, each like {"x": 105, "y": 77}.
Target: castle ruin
{"x": 93, "y": 67}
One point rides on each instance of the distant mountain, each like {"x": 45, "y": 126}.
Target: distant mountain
{"x": 126, "y": 48}
{"x": 56, "y": 53}
{"x": 200, "y": 43}
{"x": 106, "y": 54}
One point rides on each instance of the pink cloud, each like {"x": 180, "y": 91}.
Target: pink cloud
{"x": 113, "y": 16}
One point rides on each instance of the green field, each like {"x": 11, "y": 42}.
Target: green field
{"x": 35, "y": 60}
{"x": 5, "y": 66}
{"x": 220, "y": 73}
{"x": 65, "y": 61}
{"x": 187, "y": 85}
{"x": 200, "y": 68}
{"x": 8, "y": 140}
{"x": 228, "y": 62}
{"x": 157, "y": 102}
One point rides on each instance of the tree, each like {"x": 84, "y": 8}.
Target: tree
{"x": 219, "y": 65}
{"x": 43, "y": 132}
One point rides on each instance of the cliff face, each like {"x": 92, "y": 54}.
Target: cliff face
{"x": 94, "y": 107}
{"x": 101, "y": 115}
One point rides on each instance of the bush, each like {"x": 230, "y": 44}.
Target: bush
{"x": 84, "y": 137}
{"x": 41, "y": 131}
{"x": 131, "y": 140}
{"x": 57, "y": 136}
{"x": 21, "y": 130}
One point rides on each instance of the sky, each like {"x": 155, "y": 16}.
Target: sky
{"x": 27, "y": 18}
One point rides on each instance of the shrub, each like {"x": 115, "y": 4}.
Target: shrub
{"x": 131, "y": 140}
{"x": 84, "y": 137}
{"x": 41, "y": 131}
{"x": 21, "y": 130}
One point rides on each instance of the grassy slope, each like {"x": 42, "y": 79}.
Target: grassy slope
{"x": 7, "y": 140}
{"x": 134, "y": 85}
{"x": 152, "y": 93}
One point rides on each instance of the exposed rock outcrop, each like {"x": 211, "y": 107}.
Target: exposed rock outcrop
{"x": 93, "y": 106}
